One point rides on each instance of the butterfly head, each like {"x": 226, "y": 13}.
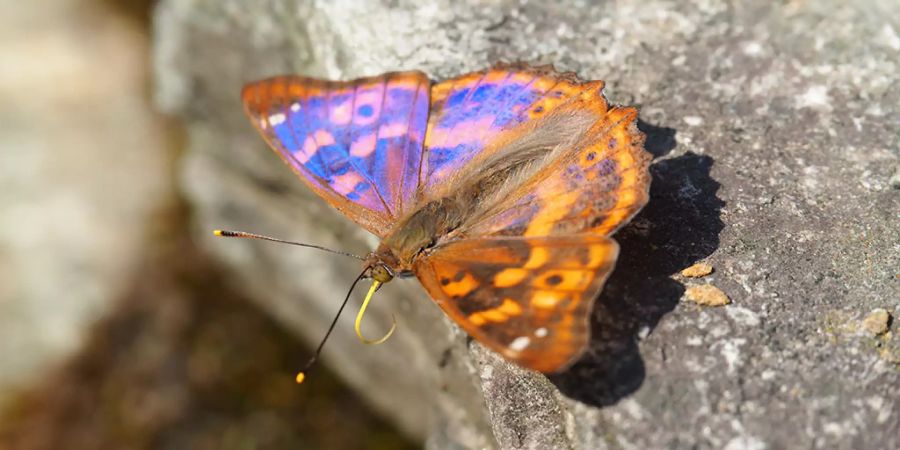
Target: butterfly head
{"x": 380, "y": 272}
{"x": 382, "y": 265}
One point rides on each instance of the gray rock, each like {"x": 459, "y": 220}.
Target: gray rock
{"x": 775, "y": 129}
{"x": 81, "y": 174}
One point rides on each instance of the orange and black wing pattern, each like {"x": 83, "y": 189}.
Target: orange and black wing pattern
{"x": 528, "y": 299}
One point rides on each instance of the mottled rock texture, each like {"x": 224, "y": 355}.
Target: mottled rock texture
{"x": 775, "y": 128}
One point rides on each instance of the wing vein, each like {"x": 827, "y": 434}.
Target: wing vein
{"x": 350, "y": 157}
{"x": 405, "y": 146}
{"x": 290, "y": 123}
{"x": 508, "y": 101}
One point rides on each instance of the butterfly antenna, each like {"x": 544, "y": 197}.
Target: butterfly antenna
{"x": 362, "y": 310}
{"x": 244, "y": 234}
{"x": 301, "y": 375}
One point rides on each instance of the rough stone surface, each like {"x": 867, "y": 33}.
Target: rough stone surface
{"x": 776, "y": 131}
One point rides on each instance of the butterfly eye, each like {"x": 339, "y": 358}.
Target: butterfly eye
{"x": 382, "y": 273}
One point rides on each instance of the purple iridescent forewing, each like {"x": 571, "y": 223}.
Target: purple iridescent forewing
{"x": 358, "y": 144}
{"x": 469, "y": 113}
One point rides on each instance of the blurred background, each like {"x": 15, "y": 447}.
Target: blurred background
{"x": 124, "y": 324}
{"x": 116, "y": 330}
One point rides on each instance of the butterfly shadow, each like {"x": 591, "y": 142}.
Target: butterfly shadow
{"x": 679, "y": 226}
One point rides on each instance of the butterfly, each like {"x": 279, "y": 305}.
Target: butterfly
{"x": 497, "y": 189}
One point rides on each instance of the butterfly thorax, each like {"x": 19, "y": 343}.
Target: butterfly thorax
{"x": 440, "y": 221}
{"x": 422, "y": 230}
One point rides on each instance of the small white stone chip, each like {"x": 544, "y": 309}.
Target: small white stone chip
{"x": 693, "y": 121}
{"x": 753, "y": 49}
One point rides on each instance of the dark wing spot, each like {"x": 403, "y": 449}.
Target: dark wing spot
{"x": 612, "y": 143}
{"x": 591, "y": 156}
{"x": 553, "y": 280}
{"x": 445, "y": 281}
{"x": 478, "y": 300}
{"x": 459, "y": 276}
{"x": 606, "y": 167}
{"x": 539, "y": 110}
{"x": 598, "y": 220}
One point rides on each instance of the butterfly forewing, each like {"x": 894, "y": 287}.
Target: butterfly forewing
{"x": 473, "y": 114}
{"x": 358, "y": 143}
{"x": 529, "y": 299}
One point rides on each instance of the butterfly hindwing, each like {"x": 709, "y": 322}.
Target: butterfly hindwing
{"x": 358, "y": 144}
{"x": 596, "y": 185}
{"x": 529, "y": 299}
{"x": 548, "y": 154}
{"x": 551, "y": 177}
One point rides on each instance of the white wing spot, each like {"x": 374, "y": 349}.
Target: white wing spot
{"x": 276, "y": 119}
{"x": 263, "y": 124}
{"x": 295, "y": 107}
{"x": 518, "y": 344}
{"x": 540, "y": 332}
